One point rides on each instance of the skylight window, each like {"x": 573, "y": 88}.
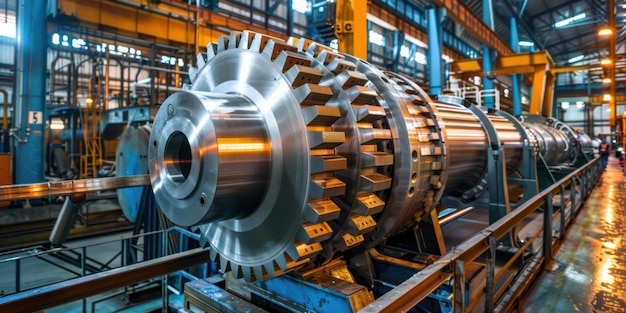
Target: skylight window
{"x": 576, "y": 58}
{"x": 570, "y": 20}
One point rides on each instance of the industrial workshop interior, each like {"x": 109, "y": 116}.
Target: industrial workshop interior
{"x": 426, "y": 156}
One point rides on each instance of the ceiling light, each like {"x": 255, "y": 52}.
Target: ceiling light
{"x": 569, "y": 20}
{"x": 606, "y": 97}
{"x": 605, "y": 61}
{"x": 576, "y": 58}
{"x": 526, "y": 43}
{"x": 565, "y": 105}
{"x": 605, "y": 31}
{"x": 580, "y": 104}
{"x": 606, "y": 80}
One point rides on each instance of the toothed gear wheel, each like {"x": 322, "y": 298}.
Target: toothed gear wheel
{"x": 281, "y": 154}
{"x": 247, "y": 155}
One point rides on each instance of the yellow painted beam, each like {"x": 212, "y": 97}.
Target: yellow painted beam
{"x": 462, "y": 15}
{"x": 524, "y": 59}
{"x": 566, "y": 69}
{"x": 467, "y": 66}
{"x": 351, "y": 27}
{"x": 170, "y": 21}
{"x": 597, "y": 99}
{"x": 520, "y": 63}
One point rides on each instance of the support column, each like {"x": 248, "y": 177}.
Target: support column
{"x": 30, "y": 83}
{"x": 487, "y": 54}
{"x": 351, "y": 27}
{"x": 610, "y": 11}
{"x": 435, "y": 60}
{"x": 515, "y": 78}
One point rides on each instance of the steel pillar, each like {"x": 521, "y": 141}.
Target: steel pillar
{"x": 515, "y": 78}
{"x": 435, "y": 61}
{"x": 610, "y": 9}
{"x": 30, "y": 81}
{"x": 351, "y": 27}
{"x": 487, "y": 54}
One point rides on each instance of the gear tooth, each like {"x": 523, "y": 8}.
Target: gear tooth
{"x": 246, "y": 273}
{"x": 233, "y": 40}
{"x": 281, "y": 261}
{"x": 273, "y": 48}
{"x": 257, "y": 43}
{"x": 213, "y": 254}
{"x": 193, "y": 73}
{"x": 269, "y": 269}
{"x": 223, "y": 264}
{"x": 235, "y": 270}
{"x": 222, "y": 43}
{"x": 293, "y": 41}
{"x": 258, "y": 272}
{"x": 211, "y": 51}
{"x": 245, "y": 39}
{"x": 202, "y": 59}
{"x": 315, "y": 49}
{"x": 288, "y": 59}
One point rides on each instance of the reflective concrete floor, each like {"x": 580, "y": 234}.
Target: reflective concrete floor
{"x": 589, "y": 271}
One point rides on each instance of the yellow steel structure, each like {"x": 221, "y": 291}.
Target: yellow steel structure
{"x": 169, "y": 21}
{"x": 91, "y": 159}
{"x": 351, "y": 27}
{"x": 462, "y": 15}
{"x": 598, "y": 99}
{"x": 539, "y": 63}
{"x": 611, "y": 69}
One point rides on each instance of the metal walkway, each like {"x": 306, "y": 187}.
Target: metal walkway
{"x": 589, "y": 271}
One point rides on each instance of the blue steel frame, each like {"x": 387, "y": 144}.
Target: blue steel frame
{"x": 30, "y": 87}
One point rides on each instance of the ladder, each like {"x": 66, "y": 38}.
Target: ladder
{"x": 91, "y": 160}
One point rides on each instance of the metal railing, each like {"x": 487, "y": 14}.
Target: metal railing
{"x": 452, "y": 265}
{"x": 83, "y": 282}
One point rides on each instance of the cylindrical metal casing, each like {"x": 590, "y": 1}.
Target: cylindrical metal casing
{"x": 552, "y": 143}
{"x": 212, "y": 157}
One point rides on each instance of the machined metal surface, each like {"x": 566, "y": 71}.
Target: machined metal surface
{"x": 286, "y": 153}
{"x": 131, "y": 158}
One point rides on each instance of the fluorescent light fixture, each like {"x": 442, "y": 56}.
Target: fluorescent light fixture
{"x": 569, "y": 20}
{"x": 605, "y": 61}
{"x": 606, "y": 80}
{"x": 57, "y": 123}
{"x": 576, "y": 58}
{"x": 526, "y": 43}
{"x": 605, "y": 31}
